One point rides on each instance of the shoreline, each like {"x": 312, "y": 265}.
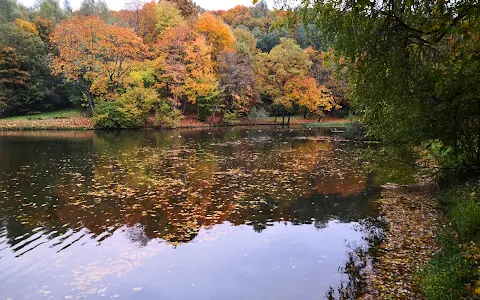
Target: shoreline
{"x": 86, "y": 124}
{"x": 414, "y": 220}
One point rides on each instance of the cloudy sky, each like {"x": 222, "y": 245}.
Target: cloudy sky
{"x": 208, "y": 4}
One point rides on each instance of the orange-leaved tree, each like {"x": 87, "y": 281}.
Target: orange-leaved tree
{"x": 152, "y": 20}
{"x": 239, "y": 15}
{"x": 217, "y": 33}
{"x": 147, "y": 27}
{"x": 170, "y": 64}
{"x": 304, "y": 92}
{"x": 94, "y": 55}
{"x": 330, "y": 72}
{"x": 131, "y": 16}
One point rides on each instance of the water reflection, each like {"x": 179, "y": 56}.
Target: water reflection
{"x": 177, "y": 199}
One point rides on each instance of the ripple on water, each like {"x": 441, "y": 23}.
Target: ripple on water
{"x": 204, "y": 214}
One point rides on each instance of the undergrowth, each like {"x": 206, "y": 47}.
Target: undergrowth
{"x": 449, "y": 274}
{"x": 454, "y": 272}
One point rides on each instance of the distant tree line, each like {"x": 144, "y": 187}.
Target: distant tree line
{"x": 165, "y": 60}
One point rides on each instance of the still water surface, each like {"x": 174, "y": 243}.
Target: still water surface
{"x": 252, "y": 213}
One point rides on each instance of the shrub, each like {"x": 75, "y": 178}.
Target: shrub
{"x": 454, "y": 169}
{"x": 129, "y": 110}
{"x": 275, "y": 110}
{"x": 452, "y": 272}
{"x": 144, "y": 99}
{"x": 231, "y": 117}
{"x": 258, "y": 113}
{"x": 204, "y": 111}
{"x": 355, "y": 130}
{"x": 466, "y": 217}
{"x": 117, "y": 115}
{"x": 462, "y": 206}
{"x": 166, "y": 117}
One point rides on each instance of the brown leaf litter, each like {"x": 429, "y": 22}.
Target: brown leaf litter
{"x": 414, "y": 220}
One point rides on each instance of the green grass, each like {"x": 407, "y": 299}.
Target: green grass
{"x": 327, "y": 124}
{"x": 65, "y": 113}
{"x": 449, "y": 274}
{"x": 466, "y": 218}
{"x": 462, "y": 205}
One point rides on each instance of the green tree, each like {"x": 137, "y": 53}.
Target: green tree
{"x": 415, "y": 68}
{"x": 246, "y": 42}
{"x": 31, "y": 56}
{"x": 266, "y": 41}
{"x": 50, "y": 9}
{"x": 94, "y": 8}
{"x": 13, "y": 78}
{"x": 168, "y": 16}
{"x": 67, "y": 7}
{"x": 260, "y": 10}
{"x": 9, "y": 11}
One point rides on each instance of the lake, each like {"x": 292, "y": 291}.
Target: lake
{"x": 236, "y": 213}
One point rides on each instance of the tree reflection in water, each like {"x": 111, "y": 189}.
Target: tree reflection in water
{"x": 169, "y": 186}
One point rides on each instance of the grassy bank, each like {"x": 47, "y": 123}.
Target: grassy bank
{"x": 77, "y": 119}
{"x": 454, "y": 272}
{"x": 59, "y": 114}
{"x": 432, "y": 246}
{"x": 340, "y": 123}
{"x": 68, "y": 119}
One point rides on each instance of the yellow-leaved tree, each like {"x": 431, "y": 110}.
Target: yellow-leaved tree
{"x": 201, "y": 83}
{"x": 283, "y": 76}
{"x": 168, "y": 16}
{"x": 304, "y": 92}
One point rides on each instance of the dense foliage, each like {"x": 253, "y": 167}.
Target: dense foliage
{"x": 193, "y": 62}
{"x": 454, "y": 272}
{"x": 415, "y": 68}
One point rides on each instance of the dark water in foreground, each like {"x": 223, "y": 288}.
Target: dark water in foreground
{"x": 252, "y": 213}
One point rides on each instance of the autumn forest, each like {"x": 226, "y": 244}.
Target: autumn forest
{"x": 303, "y": 150}
{"x": 157, "y": 62}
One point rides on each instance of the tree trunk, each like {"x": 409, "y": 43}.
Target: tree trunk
{"x": 455, "y": 133}
{"x": 184, "y": 105}
{"x": 288, "y": 119}
{"x": 305, "y": 112}
{"x": 478, "y": 142}
{"x": 174, "y": 103}
{"x": 221, "y": 118}
{"x": 214, "y": 113}
{"x": 90, "y": 102}
{"x": 283, "y": 119}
